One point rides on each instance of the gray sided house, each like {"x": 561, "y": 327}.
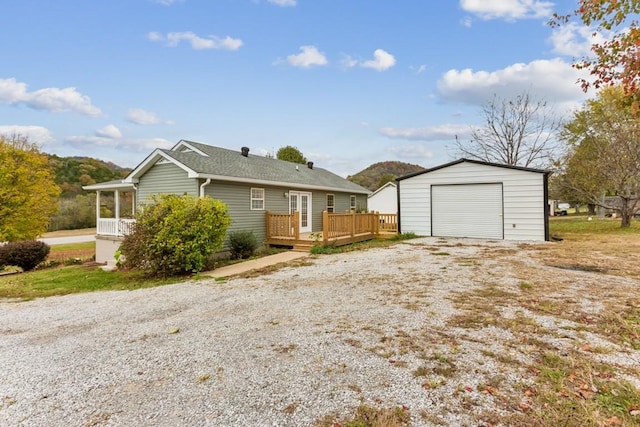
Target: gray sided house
{"x": 249, "y": 185}
{"x": 470, "y": 198}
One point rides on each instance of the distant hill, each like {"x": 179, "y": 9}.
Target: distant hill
{"x": 71, "y": 173}
{"x": 380, "y": 173}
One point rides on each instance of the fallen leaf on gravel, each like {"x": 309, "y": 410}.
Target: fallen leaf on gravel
{"x": 528, "y": 392}
{"x": 613, "y": 421}
{"x": 468, "y": 388}
{"x": 525, "y": 406}
{"x": 173, "y": 331}
{"x": 586, "y": 347}
{"x": 489, "y": 390}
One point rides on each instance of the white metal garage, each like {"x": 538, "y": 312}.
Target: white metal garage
{"x": 469, "y": 198}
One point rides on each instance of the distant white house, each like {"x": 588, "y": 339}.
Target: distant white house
{"x": 384, "y": 199}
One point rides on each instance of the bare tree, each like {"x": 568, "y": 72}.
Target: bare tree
{"x": 519, "y": 132}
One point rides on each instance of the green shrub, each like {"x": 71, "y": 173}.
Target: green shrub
{"x": 405, "y": 236}
{"x": 26, "y": 254}
{"x": 243, "y": 244}
{"x": 176, "y": 235}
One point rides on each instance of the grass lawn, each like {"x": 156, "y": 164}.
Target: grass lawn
{"x": 580, "y": 224}
{"x": 72, "y": 279}
{"x": 83, "y": 276}
{"x": 596, "y": 245}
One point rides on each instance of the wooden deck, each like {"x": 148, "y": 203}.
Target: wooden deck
{"x": 337, "y": 229}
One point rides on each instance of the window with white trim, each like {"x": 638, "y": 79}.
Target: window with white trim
{"x": 257, "y": 199}
{"x": 331, "y": 203}
{"x": 352, "y": 202}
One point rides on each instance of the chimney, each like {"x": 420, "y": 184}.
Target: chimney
{"x": 245, "y": 151}
{"x": 310, "y": 165}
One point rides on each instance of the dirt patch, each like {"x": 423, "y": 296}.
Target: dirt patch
{"x": 65, "y": 255}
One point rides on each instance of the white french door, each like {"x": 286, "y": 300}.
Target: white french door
{"x": 301, "y": 202}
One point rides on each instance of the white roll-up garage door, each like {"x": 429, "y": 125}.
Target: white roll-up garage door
{"x": 467, "y": 210}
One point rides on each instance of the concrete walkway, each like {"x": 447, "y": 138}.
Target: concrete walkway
{"x": 254, "y": 264}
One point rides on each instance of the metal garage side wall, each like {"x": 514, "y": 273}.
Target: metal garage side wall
{"x": 414, "y": 196}
{"x": 523, "y": 198}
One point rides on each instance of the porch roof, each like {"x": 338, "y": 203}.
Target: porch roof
{"x": 119, "y": 184}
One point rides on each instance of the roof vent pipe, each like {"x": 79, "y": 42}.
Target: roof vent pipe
{"x": 245, "y": 151}
{"x": 310, "y": 165}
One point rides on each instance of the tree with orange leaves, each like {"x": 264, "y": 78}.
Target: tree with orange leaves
{"x": 616, "y": 60}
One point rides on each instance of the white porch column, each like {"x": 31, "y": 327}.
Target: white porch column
{"x": 117, "y": 213}
{"x": 97, "y": 209}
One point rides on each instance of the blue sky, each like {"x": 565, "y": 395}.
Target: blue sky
{"x": 348, "y": 82}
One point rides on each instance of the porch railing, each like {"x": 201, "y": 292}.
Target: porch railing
{"x": 282, "y": 226}
{"x": 388, "y": 222}
{"x": 347, "y": 226}
{"x": 114, "y": 227}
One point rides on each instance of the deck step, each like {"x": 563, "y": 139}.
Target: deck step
{"x": 302, "y": 247}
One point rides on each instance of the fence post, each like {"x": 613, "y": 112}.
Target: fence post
{"x": 376, "y": 223}
{"x": 296, "y": 225}
{"x": 325, "y": 228}
{"x": 353, "y": 224}
{"x": 268, "y": 225}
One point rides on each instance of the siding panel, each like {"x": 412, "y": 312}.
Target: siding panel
{"x": 165, "y": 179}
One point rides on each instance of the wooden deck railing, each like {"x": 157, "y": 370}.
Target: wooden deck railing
{"x": 388, "y": 222}
{"x": 282, "y": 226}
{"x": 348, "y": 224}
{"x": 337, "y": 228}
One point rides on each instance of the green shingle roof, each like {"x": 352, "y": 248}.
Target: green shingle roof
{"x": 222, "y": 162}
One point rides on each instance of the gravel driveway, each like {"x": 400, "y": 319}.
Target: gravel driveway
{"x": 381, "y": 327}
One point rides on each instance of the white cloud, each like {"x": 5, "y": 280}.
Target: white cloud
{"x": 348, "y": 62}
{"x": 196, "y": 42}
{"x": 142, "y": 145}
{"x": 433, "y": 133}
{"x": 36, "y": 134}
{"x": 134, "y": 145}
{"x": 309, "y": 57}
{"x": 419, "y": 69}
{"x": 574, "y": 40}
{"x": 553, "y": 81}
{"x": 509, "y": 10}
{"x": 283, "y": 3}
{"x": 109, "y": 131}
{"x": 143, "y": 117}
{"x": 51, "y": 99}
{"x": 413, "y": 152}
{"x": 381, "y": 61}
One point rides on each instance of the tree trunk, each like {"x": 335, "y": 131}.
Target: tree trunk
{"x": 592, "y": 209}
{"x": 625, "y": 213}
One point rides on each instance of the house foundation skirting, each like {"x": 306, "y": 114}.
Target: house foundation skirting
{"x": 106, "y": 247}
